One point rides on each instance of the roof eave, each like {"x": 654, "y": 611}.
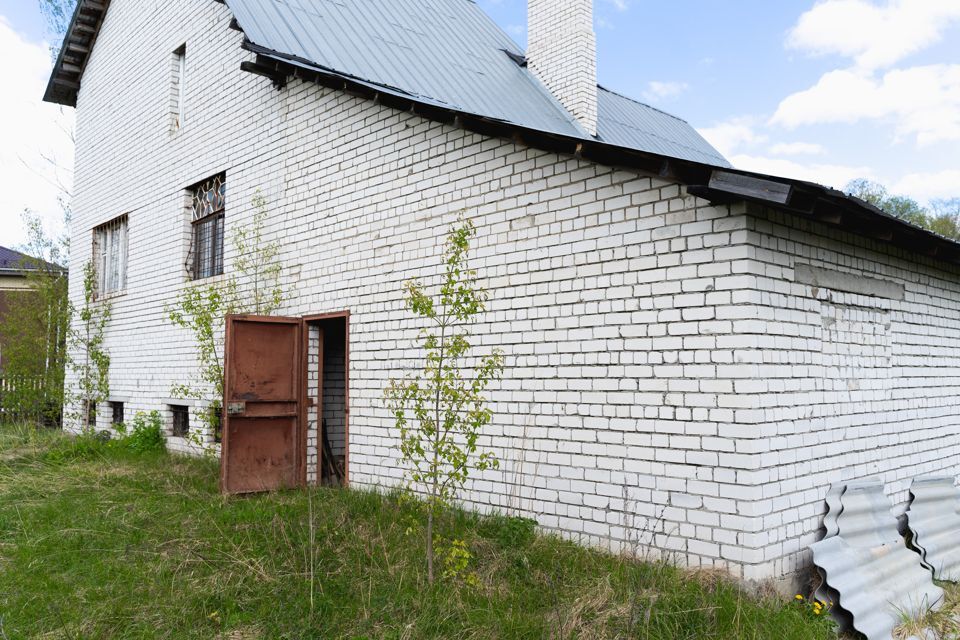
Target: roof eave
{"x": 716, "y": 184}
{"x": 64, "y": 83}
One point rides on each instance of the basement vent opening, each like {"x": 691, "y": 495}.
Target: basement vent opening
{"x": 116, "y": 409}
{"x": 218, "y": 424}
{"x": 181, "y": 420}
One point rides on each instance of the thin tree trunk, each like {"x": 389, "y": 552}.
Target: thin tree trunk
{"x": 436, "y": 455}
{"x": 430, "y": 544}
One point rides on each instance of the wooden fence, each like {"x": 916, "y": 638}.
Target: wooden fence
{"x": 40, "y": 413}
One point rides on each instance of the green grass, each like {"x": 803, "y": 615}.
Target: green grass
{"x": 100, "y": 542}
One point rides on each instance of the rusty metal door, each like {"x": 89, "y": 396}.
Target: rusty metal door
{"x": 261, "y": 448}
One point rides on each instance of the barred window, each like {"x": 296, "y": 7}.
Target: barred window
{"x": 208, "y": 203}
{"x": 110, "y": 255}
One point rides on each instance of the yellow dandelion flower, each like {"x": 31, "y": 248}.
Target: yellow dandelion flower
{"x": 798, "y": 597}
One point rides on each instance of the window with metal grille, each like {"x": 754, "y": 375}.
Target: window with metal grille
{"x": 181, "y": 420}
{"x": 217, "y": 424}
{"x": 110, "y": 256}
{"x": 117, "y": 409}
{"x": 207, "y": 204}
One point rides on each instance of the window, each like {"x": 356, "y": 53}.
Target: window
{"x": 110, "y": 256}
{"x": 117, "y": 409}
{"x": 208, "y": 200}
{"x": 91, "y": 414}
{"x": 178, "y": 86}
{"x": 181, "y": 420}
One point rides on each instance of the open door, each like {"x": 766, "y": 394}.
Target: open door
{"x": 261, "y": 448}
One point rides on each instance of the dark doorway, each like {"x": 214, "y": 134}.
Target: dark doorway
{"x": 327, "y": 397}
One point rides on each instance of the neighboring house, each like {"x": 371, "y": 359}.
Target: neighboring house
{"x": 15, "y": 269}
{"x": 693, "y": 351}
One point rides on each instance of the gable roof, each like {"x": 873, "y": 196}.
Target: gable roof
{"x": 446, "y": 53}
{"x": 14, "y": 262}
{"x": 450, "y": 54}
{"x": 375, "y": 46}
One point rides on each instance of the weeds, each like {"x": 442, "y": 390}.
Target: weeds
{"x": 112, "y": 543}
{"x": 943, "y": 624}
{"x": 143, "y": 436}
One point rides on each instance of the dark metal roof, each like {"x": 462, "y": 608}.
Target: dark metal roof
{"x": 21, "y": 263}
{"x": 385, "y": 40}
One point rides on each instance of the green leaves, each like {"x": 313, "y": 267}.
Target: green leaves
{"x": 92, "y": 367}
{"x": 34, "y": 331}
{"x": 440, "y": 411}
{"x": 252, "y": 287}
{"x": 942, "y": 216}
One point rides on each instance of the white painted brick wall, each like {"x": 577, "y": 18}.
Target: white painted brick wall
{"x": 848, "y": 385}
{"x": 668, "y": 383}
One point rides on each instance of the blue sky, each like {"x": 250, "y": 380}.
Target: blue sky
{"x": 726, "y": 67}
{"x": 822, "y": 90}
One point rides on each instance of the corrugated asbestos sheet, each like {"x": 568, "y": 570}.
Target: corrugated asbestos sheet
{"x": 934, "y": 521}
{"x": 448, "y": 53}
{"x": 877, "y": 579}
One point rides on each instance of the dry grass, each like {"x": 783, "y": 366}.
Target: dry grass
{"x": 105, "y": 544}
{"x": 943, "y": 624}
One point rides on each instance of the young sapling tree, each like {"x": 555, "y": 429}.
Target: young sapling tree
{"x": 92, "y": 365}
{"x": 441, "y": 410}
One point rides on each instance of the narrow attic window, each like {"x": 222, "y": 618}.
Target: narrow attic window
{"x": 178, "y": 87}
{"x": 208, "y": 202}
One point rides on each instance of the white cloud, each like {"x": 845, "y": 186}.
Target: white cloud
{"x": 619, "y": 5}
{"x": 657, "y": 90}
{"x": 36, "y": 153}
{"x": 831, "y": 175}
{"x": 797, "y": 149}
{"x": 927, "y": 186}
{"x": 874, "y": 36}
{"x": 923, "y": 102}
{"x": 731, "y": 136}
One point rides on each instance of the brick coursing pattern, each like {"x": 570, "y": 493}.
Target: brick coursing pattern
{"x": 562, "y": 53}
{"x": 668, "y": 383}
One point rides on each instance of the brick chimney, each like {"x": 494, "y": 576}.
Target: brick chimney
{"x": 562, "y": 53}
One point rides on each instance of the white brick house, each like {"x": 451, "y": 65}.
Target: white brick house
{"x": 689, "y": 348}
